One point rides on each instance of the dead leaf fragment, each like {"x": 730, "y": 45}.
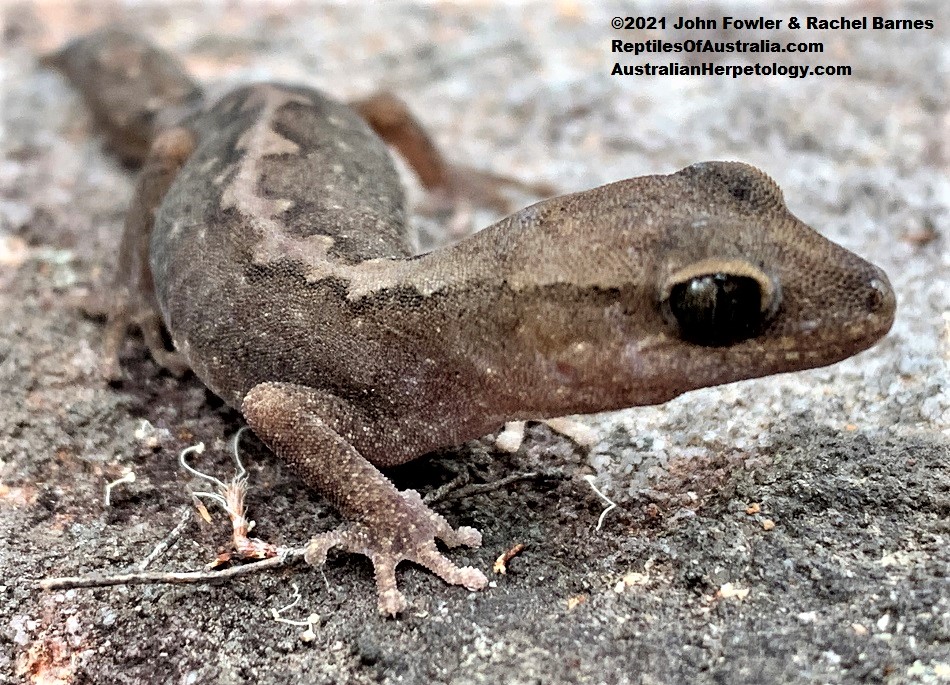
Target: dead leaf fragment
{"x": 47, "y": 662}
{"x": 732, "y": 591}
{"x": 923, "y": 235}
{"x": 575, "y": 601}
{"x": 631, "y": 579}
{"x": 500, "y": 565}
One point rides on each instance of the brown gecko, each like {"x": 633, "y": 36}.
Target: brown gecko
{"x": 268, "y": 237}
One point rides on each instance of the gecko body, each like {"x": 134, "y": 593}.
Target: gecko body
{"x": 268, "y": 237}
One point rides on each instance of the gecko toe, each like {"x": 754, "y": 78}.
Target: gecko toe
{"x": 461, "y": 536}
{"x": 391, "y": 601}
{"x": 471, "y": 578}
{"x": 452, "y": 537}
{"x": 318, "y": 547}
{"x": 466, "y": 576}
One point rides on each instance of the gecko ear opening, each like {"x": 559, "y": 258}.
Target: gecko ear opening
{"x": 719, "y": 302}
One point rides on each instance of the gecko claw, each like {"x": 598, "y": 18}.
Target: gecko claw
{"x": 392, "y": 602}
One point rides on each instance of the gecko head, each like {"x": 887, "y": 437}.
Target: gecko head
{"x": 641, "y": 290}
{"x": 751, "y": 286}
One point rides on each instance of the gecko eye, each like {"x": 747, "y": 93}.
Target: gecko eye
{"x": 719, "y": 307}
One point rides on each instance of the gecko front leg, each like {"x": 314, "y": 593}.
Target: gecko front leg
{"x": 313, "y": 431}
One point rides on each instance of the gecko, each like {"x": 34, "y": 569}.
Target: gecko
{"x": 267, "y": 239}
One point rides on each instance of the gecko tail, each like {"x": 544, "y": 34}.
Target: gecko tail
{"x": 134, "y": 88}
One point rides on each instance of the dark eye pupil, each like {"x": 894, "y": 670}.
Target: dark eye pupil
{"x": 717, "y": 309}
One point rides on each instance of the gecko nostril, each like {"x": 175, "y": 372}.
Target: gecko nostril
{"x": 879, "y": 294}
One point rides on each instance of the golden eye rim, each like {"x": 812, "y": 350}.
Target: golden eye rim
{"x": 769, "y": 286}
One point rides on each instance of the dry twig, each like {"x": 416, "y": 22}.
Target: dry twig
{"x": 285, "y": 558}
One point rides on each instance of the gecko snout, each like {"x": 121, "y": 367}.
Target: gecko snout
{"x": 881, "y": 299}
{"x": 880, "y": 303}
{"x": 870, "y": 293}
{"x": 866, "y": 306}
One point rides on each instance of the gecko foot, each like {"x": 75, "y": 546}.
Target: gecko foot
{"x": 407, "y": 534}
{"x": 464, "y": 188}
{"x": 121, "y": 313}
{"x": 487, "y": 189}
